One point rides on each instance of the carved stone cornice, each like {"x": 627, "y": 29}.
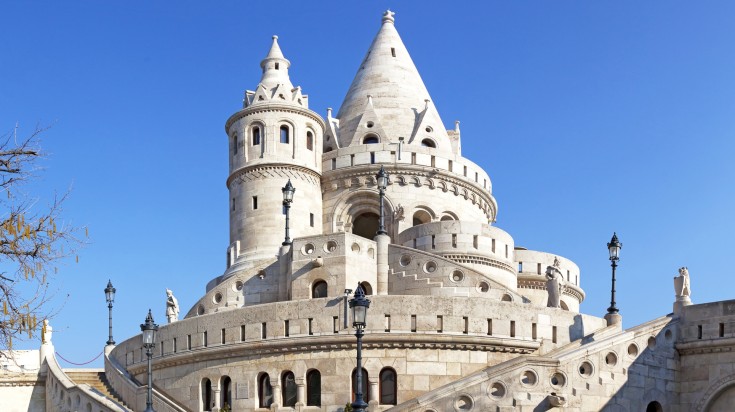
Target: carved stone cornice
{"x": 706, "y": 346}
{"x": 340, "y": 342}
{"x": 366, "y": 177}
{"x": 273, "y": 107}
{"x": 265, "y": 171}
{"x": 478, "y": 260}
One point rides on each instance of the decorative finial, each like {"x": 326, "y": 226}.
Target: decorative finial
{"x": 426, "y": 103}
{"x": 388, "y": 16}
{"x": 456, "y": 126}
{"x": 329, "y": 112}
{"x": 275, "y": 37}
{"x": 370, "y": 99}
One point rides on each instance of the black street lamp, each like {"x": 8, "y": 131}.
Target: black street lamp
{"x": 149, "y": 330}
{"x": 110, "y": 297}
{"x": 382, "y": 179}
{"x": 288, "y": 192}
{"x": 614, "y": 248}
{"x": 359, "y": 305}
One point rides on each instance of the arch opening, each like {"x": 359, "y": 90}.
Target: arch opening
{"x": 366, "y": 225}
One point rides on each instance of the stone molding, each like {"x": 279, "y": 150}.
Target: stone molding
{"x": 259, "y": 172}
{"x": 273, "y": 107}
{"x": 478, "y": 260}
{"x": 706, "y": 346}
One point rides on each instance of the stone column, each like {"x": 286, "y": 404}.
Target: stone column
{"x": 300, "y": 392}
{"x": 373, "y": 391}
{"x": 284, "y": 265}
{"x": 277, "y": 401}
{"x": 215, "y": 398}
{"x": 382, "y": 259}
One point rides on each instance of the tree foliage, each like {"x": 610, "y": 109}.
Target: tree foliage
{"x": 33, "y": 238}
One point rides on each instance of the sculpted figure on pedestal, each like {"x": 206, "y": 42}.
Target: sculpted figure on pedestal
{"x": 46, "y": 331}
{"x": 554, "y": 285}
{"x": 681, "y": 283}
{"x": 172, "y": 307}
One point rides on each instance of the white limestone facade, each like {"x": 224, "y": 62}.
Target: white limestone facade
{"x": 459, "y": 317}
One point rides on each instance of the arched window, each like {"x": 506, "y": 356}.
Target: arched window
{"x": 654, "y": 407}
{"x": 388, "y": 387}
{"x": 265, "y": 391}
{"x": 313, "y": 388}
{"x": 234, "y": 144}
{"x": 284, "y": 134}
{"x": 368, "y": 289}
{"x": 366, "y": 225}
{"x": 370, "y": 139}
{"x": 319, "y": 289}
{"x": 206, "y": 395}
{"x": 364, "y": 385}
{"x": 256, "y": 135}
{"x": 421, "y": 217}
{"x": 428, "y": 143}
{"x": 309, "y": 141}
{"x": 288, "y": 389}
{"x": 226, "y": 392}
{"x": 328, "y": 149}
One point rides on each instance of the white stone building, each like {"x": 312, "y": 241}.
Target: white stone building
{"x": 460, "y": 318}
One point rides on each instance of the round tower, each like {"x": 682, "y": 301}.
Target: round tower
{"x": 274, "y": 138}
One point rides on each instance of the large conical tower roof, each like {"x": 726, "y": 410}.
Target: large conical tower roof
{"x": 389, "y": 91}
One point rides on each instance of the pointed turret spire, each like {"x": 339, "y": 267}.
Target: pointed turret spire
{"x": 399, "y": 97}
{"x": 275, "y": 67}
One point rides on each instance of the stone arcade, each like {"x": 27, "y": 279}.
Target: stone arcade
{"x": 460, "y": 320}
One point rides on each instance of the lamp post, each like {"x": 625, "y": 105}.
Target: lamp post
{"x": 110, "y": 297}
{"x": 614, "y": 248}
{"x": 149, "y": 330}
{"x": 359, "y": 306}
{"x": 288, "y": 192}
{"x": 382, "y": 179}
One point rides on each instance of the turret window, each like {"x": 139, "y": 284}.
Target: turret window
{"x": 277, "y": 66}
{"x": 370, "y": 139}
{"x": 309, "y": 141}
{"x": 234, "y": 144}
{"x": 256, "y": 135}
{"x": 284, "y": 134}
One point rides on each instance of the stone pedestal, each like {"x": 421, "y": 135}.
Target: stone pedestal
{"x": 614, "y": 319}
{"x": 680, "y": 302}
{"x": 382, "y": 242}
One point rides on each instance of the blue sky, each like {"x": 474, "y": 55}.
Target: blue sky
{"x": 590, "y": 117}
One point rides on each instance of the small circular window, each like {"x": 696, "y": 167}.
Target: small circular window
{"x": 497, "y": 390}
{"x": 632, "y": 350}
{"x": 429, "y": 129}
{"x": 369, "y": 125}
{"x": 611, "y": 359}
{"x": 651, "y": 342}
{"x": 307, "y": 249}
{"x": 430, "y": 267}
{"x": 457, "y": 276}
{"x": 483, "y": 287}
{"x": 558, "y": 380}
{"x": 529, "y": 378}
{"x": 668, "y": 335}
{"x": 463, "y": 403}
{"x": 217, "y": 297}
{"x": 330, "y": 246}
{"x": 585, "y": 369}
{"x": 405, "y": 260}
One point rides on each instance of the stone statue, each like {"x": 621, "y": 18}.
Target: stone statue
{"x": 172, "y": 307}
{"x": 398, "y": 213}
{"x": 46, "y": 331}
{"x": 681, "y": 283}
{"x": 554, "y": 285}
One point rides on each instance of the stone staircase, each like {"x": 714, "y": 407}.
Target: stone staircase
{"x": 97, "y": 380}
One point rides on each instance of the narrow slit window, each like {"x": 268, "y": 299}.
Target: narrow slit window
{"x": 477, "y": 177}
{"x": 222, "y": 336}
{"x": 387, "y": 323}
{"x": 188, "y": 342}
{"x": 242, "y": 333}
{"x": 439, "y": 324}
{"x": 285, "y": 328}
{"x": 533, "y": 331}
{"x": 233, "y": 203}
{"x": 433, "y": 241}
{"x": 475, "y": 241}
{"x": 506, "y": 251}
{"x": 413, "y": 323}
{"x": 722, "y": 330}
{"x": 234, "y": 144}
{"x": 520, "y": 267}
{"x": 311, "y": 330}
{"x": 699, "y": 331}
{"x": 204, "y": 339}
{"x": 352, "y": 160}
{"x": 309, "y": 141}
{"x": 335, "y": 324}
{"x": 284, "y": 134}
{"x": 255, "y": 202}
{"x": 538, "y": 269}
{"x": 393, "y": 51}
{"x": 161, "y": 348}
{"x": 334, "y": 164}
{"x": 372, "y": 157}
{"x": 465, "y": 171}
{"x": 256, "y": 136}
{"x": 450, "y": 166}
{"x": 512, "y": 329}
{"x": 174, "y": 346}
{"x": 466, "y": 322}
{"x": 277, "y": 66}
{"x": 311, "y": 219}
{"x": 568, "y": 276}
{"x": 493, "y": 246}
{"x": 433, "y": 161}
{"x": 263, "y": 330}
{"x": 553, "y": 334}
{"x": 413, "y": 158}
{"x": 454, "y": 240}
{"x": 489, "y": 327}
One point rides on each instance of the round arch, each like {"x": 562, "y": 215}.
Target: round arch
{"x": 350, "y": 205}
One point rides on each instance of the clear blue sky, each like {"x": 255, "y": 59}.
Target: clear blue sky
{"x": 590, "y": 117}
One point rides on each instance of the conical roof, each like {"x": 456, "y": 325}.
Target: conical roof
{"x": 275, "y": 84}
{"x": 388, "y": 85}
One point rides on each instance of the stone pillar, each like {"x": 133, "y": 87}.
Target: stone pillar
{"x": 215, "y": 399}
{"x": 300, "y": 392}
{"x": 614, "y": 319}
{"x": 382, "y": 258}
{"x": 373, "y": 388}
{"x": 277, "y": 401}
{"x": 284, "y": 264}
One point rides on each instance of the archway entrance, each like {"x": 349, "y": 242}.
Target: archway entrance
{"x": 366, "y": 225}
{"x": 654, "y": 407}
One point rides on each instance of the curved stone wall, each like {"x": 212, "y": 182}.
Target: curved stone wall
{"x": 532, "y": 278}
